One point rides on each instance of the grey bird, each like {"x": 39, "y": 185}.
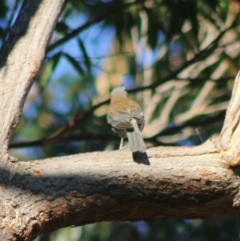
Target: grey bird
{"x": 127, "y": 119}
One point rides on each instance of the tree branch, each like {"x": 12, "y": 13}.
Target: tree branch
{"x": 100, "y": 186}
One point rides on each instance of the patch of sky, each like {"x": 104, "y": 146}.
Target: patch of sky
{"x": 128, "y": 82}
{"x": 84, "y": 99}
{"x": 161, "y": 38}
{"x": 171, "y": 125}
{"x": 30, "y": 109}
{"x": 180, "y": 229}
{"x": 175, "y": 47}
{"x": 142, "y": 228}
{"x": 4, "y": 21}
{"x": 64, "y": 68}
{"x": 35, "y": 152}
{"x": 27, "y": 153}
{"x": 11, "y": 5}
{"x": 184, "y": 143}
{"x": 188, "y": 221}
{"x": 59, "y": 103}
{"x": 148, "y": 56}
{"x": 3, "y": 24}
{"x": 59, "y": 154}
{"x": 97, "y": 47}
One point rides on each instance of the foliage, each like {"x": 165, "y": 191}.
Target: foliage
{"x": 169, "y": 229}
{"x": 177, "y": 57}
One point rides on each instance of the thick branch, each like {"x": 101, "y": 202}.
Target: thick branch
{"x": 21, "y": 58}
{"x": 75, "y": 190}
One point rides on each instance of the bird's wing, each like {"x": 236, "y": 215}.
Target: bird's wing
{"x": 139, "y": 116}
{"x": 120, "y": 119}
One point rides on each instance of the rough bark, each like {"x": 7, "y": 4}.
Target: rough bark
{"x": 44, "y": 195}
{"x": 21, "y": 58}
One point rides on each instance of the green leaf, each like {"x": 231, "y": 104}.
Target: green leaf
{"x": 62, "y": 27}
{"x": 84, "y": 51}
{"x": 75, "y": 64}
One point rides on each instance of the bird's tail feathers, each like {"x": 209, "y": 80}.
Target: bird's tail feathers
{"x": 135, "y": 139}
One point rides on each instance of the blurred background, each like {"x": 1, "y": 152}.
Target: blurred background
{"x": 177, "y": 58}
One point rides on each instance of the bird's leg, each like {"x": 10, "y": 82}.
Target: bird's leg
{"x": 121, "y": 144}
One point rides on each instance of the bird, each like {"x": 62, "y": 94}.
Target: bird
{"x": 127, "y": 119}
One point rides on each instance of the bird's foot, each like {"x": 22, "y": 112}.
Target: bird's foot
{"x": 122, "y": 147}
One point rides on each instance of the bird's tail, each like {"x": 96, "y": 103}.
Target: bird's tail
{"x": 135, "y": 139}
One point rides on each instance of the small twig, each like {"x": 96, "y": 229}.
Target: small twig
{"x": 199, "y": 81}
{"x": 199, "y": 134}
{"x": 192, "y": 123}
{"x": 64, "y": 139}
{"x": 75, "y": 121}
{"x": 107, "y": 13}
{"x": 57, "y": 136}
{"x": 78, "y": 138}
{"x": 12, "y": 14}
